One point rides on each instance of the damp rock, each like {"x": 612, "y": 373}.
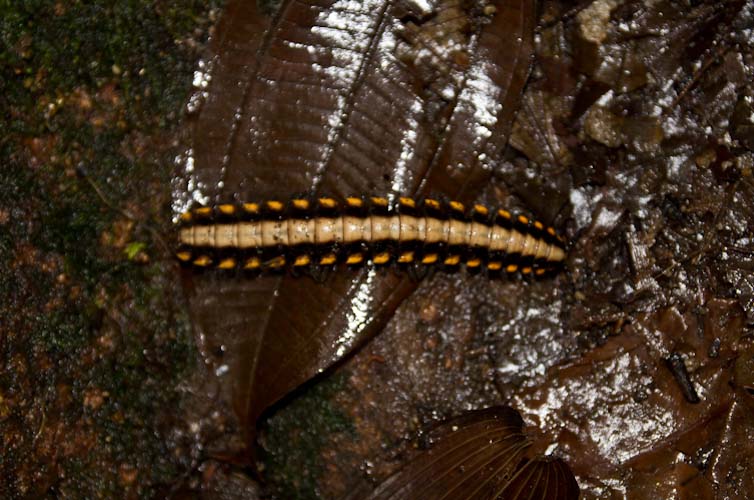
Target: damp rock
{"x": 594, "y": 20}
{"x": 604, "y": 127}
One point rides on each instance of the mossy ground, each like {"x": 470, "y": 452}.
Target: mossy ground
{"x": 295, "y": 438}
{"x": 92, "y": 335}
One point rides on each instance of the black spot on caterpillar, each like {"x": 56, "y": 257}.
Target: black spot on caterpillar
{"x": 304, "y": 233}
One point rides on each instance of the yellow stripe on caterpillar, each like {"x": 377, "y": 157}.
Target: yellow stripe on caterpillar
{"x": 407, "y": 202}
{"x": 202, "y": 261}
{"x": 302, "y": 260}
{"x": 430, "y": 258}
{"x": 427, "y": 234}
{"x": 381, "y": 258}
{"x": 328, "y": 260}
{"x": 276, "y": 262}
{"x": 456, "y": 205}
{"x": 227, "y": 264}
{"x": 452, "y": 260}
{"x": 405, "y": 257}
{"x": 354, "y": 258}
{"x": 252, "y": 263}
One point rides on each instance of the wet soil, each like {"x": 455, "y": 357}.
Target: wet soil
{"x": 634, "y": 136}
{"x": 635, "y": 133}
{"x": 95, "y": 345}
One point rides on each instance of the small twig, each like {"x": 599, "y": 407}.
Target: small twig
{"x": 41, "y": 426}
{"x": 697, "y": 76}
{"x": 704, "y": 245}
{"x": 81, "y": 171}
{"x": 677, "y": 366}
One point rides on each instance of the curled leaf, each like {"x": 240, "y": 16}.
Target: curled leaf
{"x": 481, "y": 455}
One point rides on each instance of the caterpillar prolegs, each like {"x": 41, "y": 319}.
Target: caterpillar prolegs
{"x": 303, "y": 233}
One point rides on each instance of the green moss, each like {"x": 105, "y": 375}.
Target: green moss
{"x": 95, "y": 337}
{"x": 295, "y": 437}
{"x": 65, "y": 45}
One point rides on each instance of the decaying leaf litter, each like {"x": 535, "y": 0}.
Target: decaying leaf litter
{"x": 634, "y": 133}
{"x": 271, "y": 334}
{"x": 635, "y": 125}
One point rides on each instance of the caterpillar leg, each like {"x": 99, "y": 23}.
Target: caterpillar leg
{"x": 418, "y": 271}
{"x": 319, "y": 273}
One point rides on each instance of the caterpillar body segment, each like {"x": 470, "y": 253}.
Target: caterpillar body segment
{"x": 324, "y": 232}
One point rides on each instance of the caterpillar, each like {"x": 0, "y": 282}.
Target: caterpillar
{"x": 303, "y": 233}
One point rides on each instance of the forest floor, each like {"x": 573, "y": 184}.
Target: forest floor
{"x": 635, "y": 364}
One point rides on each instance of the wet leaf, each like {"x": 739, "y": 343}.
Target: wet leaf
{"x": 331, "y": 97}
{"x": 535, "y": 126}
{"x": 480, "y": 455}
{"x": 656, "y": 300}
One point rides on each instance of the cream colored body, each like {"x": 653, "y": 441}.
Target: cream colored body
{"x": 349, "y": 229}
